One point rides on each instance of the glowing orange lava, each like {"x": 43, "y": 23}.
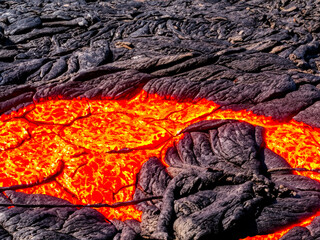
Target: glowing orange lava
{"x": 103, "y": 144}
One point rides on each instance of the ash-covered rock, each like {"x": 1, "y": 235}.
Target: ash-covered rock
{"x": 224, "y": 185}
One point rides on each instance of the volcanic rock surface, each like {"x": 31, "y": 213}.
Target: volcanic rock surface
{"x": 221, "y": 181}
{"x": 222, "y": 184}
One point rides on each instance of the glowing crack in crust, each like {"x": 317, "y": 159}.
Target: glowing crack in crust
{"x": 103, "y": 144}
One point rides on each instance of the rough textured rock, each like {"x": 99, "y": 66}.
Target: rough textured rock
{"x": 253, "y": 59}
{"x": 310, "y": 232}
{"x": 310, "y": 115}
{"x": 51, "y": 223}
{"x": 221, "y": 187}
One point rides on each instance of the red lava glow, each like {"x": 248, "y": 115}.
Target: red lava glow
{"x": 103, "y": 144}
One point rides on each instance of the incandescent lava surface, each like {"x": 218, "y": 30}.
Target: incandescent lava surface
{"x": 102, "y": 144}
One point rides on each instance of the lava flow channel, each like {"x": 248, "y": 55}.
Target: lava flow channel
{"x": 103, "y": 144}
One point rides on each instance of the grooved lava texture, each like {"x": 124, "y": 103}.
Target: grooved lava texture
{"x": 102, "y": 145}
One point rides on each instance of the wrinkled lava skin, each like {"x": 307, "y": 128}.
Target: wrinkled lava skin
{"x": 103, "y": 144}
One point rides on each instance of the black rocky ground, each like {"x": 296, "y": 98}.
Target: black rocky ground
{"x": 257, "y": 55}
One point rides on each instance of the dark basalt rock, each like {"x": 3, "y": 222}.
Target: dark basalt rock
{"x": 310, "y": 232}
{"x": 222, "y": 186}
{"x": 257, "y": 55}
{"x": 291, "y": 104}
{"x": 310, "y": 115}
{"x": 51, "y": 223}
{"x": 23, "y": 25}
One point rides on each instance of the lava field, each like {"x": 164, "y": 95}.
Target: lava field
{"x": 147, "y": 119}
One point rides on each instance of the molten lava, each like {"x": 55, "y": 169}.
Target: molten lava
{"x": 103, "y": 144}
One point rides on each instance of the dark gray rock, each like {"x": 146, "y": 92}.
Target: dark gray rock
{"x": 298, "y": 233}
{"x": 128, "y": 230}
{"x": 307, "y": 233}
{"x": 274, "y": 161}
{"x": 94, "y": 56}
{"x": 257, "y": 55}
{"x": 23, "y": 25}
{"x": 56, "y": 69}
{"x": 153, "y": 178}
{"x": 286, "y": 107}
{"x": 196, "y": 50}
{"x": 287, "y": 210}
{"x": 223, "y": 186}
{"x": 51, "y": 223}
{"x": 18, "y": 74}
{"x": 122, "y": 84}
{"x": 310, "y": 115}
